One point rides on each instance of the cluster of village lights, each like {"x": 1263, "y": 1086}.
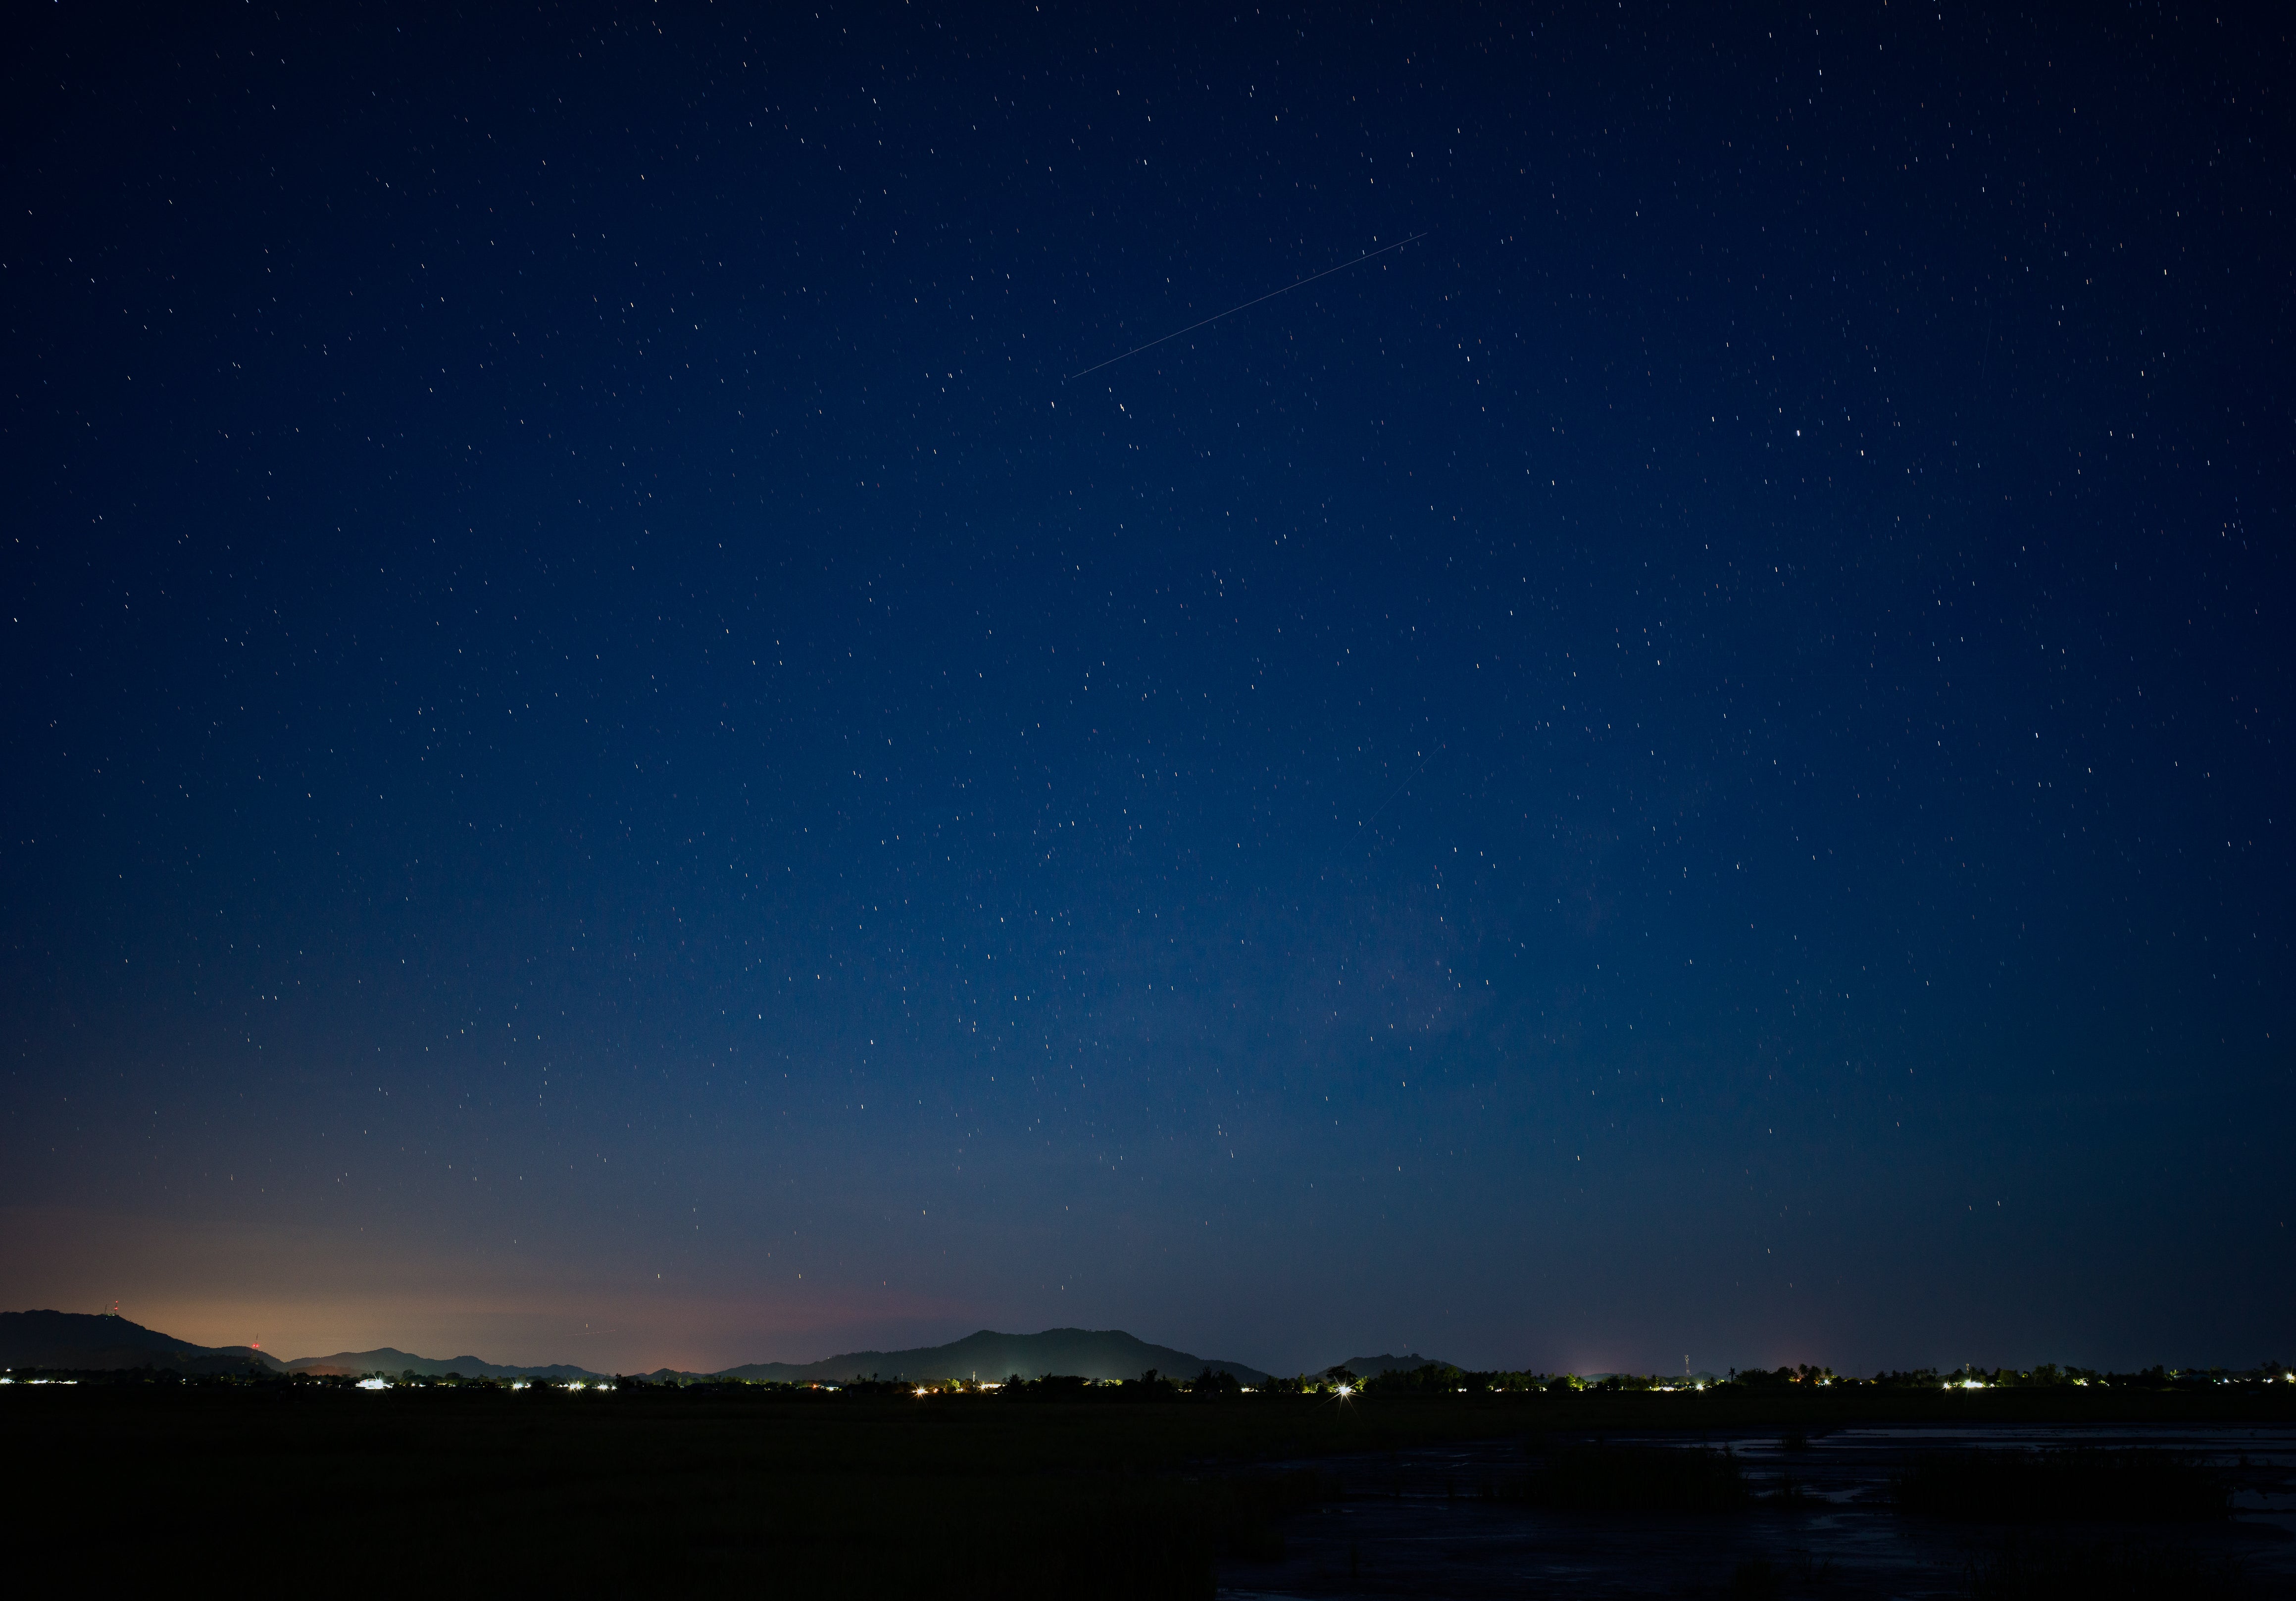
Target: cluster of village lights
{"x": 594, "y": 1386}
{"x": 602, "y": 1386}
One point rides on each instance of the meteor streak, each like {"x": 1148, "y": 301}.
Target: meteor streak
{"x": 1247, "y": 305}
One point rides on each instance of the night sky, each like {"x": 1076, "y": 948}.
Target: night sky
{"x": 608, "y": 760}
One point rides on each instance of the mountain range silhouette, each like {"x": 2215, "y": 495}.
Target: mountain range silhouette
{"x": 1090, "y": 1353}
{"x": 79, "y": 1339}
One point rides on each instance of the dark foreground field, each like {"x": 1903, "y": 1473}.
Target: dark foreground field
{"x": 944, "y": 1497}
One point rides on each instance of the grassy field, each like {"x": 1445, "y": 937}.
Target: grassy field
{"x": 815, "y": 1495}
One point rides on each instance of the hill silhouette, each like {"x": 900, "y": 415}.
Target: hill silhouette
{"x": 1366, "y": 1367}
{"x": 51, "y": 1339}
{"x": 1089, "y": 1353}
{"x": 391, "y": 1359}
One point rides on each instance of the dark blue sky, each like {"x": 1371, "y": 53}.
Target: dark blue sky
{"x": 610, "y": 762}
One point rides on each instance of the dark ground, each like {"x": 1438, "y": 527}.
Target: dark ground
{"x": 271, "y": 1485}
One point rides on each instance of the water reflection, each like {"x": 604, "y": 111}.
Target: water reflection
{"x": 1425, "y": 1523}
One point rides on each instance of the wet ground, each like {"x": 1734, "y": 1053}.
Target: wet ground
{"x": 1418, "y": 1524}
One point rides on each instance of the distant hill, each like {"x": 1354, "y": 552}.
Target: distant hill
{"x": 388, "y": 1359}
{"x": 1090, "y": 1353}
{"x": 46, "y": 1339}
{"x": 1365, "y": 1368}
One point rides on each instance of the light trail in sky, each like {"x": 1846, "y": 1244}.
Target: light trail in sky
{"x": 1247, "y": 305}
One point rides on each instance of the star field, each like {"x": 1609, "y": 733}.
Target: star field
{"x": 600, "y": 735}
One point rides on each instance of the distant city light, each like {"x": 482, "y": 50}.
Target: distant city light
{"x": 375, "y": 1383}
